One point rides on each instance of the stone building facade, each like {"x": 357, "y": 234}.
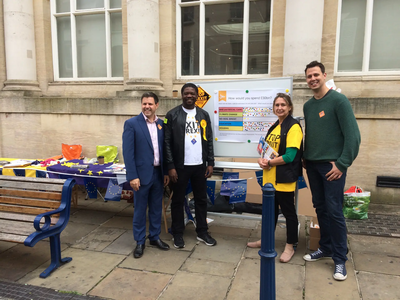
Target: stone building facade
{"x": 73, "y": 71}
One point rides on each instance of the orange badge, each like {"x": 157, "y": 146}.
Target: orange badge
{"x": 159, "y": 126}
{"x": 321, "y": 114}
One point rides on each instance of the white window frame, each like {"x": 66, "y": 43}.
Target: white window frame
{"x": 367, "y": 43}
{"x": 202, "y": 4}
{"x": 72, "y": 14}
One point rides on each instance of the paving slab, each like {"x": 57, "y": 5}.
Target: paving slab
{"x": 246, "y": 284}
{"x": 99, "y": 239}
{"x": 186, "y": 285}
{"x": 232, "y": 221}
{"x": 156, "y": 260}
{"x": 228, "y": 249}
{"x": 19, "y": 260}
{"x": 111, "y": 206}
{"x": 210, "y": 267}
{"x": 119, "y": 222}
{"x": 91, "y": 216}
{"x": 379, "y": 286}
{"x": 126, "y": 212}
{"x": 74, "y": 232}
{"x": 319, "y": 283}
{"x": 80, "y": 275}
{"x": 123, "y": 245}
{"x": 6, "y": 245}
{"x": 227, "y": 230}
{"x": 283, "y": 280}
{"x": 373, "y": 244}
{"x": 125, "y": 284}
{"x": 384, "y": 264}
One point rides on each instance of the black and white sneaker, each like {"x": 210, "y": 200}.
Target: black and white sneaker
{"x": 206, "y": 239}
{"x": 179, "y": 243}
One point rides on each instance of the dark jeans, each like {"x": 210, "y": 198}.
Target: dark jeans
{"x": 286, "y": 201}
{"x": 327, "y": 197}
{"x": 196, "y": 174}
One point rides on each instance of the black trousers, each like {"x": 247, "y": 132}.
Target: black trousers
{"x": 196, "y": 174}
{"x": 286, "y": 201}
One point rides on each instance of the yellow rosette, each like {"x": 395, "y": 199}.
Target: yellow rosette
{"x": 203, "y": 125}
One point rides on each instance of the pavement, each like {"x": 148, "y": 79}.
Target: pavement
{"x": 99, "y": 239}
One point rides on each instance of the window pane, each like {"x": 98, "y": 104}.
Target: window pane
{"x": 116, "y": 45}
{"x": 223, "y": 39}
{"x": 87, "y": 4}
{"x": 91, "y": 45}
{"x": 62, "y": 6}
{"x": 115, "y": 3}
{"x": 190, "y": 40}
{"x": 64, "y": 47}
{"x": 385, "y": 44}
{"x": 259, "y": 36}
{"x": 352, "y": 28}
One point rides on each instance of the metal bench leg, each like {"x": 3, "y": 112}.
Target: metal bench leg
{"x": 56, "y": 260}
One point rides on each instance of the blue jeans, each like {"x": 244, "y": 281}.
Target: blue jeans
{"x": 327, "y": 197}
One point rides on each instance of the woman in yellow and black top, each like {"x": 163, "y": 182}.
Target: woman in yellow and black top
{"x": 286, "y": 138}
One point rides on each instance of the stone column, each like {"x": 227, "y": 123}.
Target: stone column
{"x": 19, "y": 39}
{"x": 303, "y": 35}
{"x": 143, "y": 47}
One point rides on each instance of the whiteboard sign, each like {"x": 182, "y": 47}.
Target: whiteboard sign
{"x": 241, "y": 112}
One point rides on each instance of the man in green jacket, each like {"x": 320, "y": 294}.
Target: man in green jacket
{"x": 332, "y": 141}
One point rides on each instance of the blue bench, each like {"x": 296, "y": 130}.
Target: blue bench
{"x": 33, "y": 209}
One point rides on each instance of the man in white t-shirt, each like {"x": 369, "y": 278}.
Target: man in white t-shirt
{"x": 189, "y": 155}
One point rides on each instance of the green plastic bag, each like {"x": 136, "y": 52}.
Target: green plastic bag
{"x": 355, "y": 205}
{"x": 110, "y": 153}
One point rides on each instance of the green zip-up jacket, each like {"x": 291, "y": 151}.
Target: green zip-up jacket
{"x": 332, "y": 132}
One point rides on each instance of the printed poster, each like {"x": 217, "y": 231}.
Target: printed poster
{"x": 243, "y": 115}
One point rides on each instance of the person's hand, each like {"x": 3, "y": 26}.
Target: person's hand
{"x": 263, "y": 163}
{"x": 173, "y": 176}
{"x": 209, "y": 171}
{"x": 166, "y": 180}
{"x": 334, "y": 173}
{"x": 135, "y": 184}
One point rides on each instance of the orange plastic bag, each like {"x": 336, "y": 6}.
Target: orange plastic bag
{"x": 71, "y": 151}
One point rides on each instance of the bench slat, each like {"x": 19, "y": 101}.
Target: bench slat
{"x": 23, "y": 209}
{"x": 22, "y": 217}
{"x": 32, "y": 194}
{"x": 12, "y": 238}
{"x": 31, "y": 179}
{"x": 13, "y": 227}
{"x": 31, "y": 186}
{"x": 30, "y": 202}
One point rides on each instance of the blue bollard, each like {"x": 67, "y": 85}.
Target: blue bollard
{"x": 267, "y": 252}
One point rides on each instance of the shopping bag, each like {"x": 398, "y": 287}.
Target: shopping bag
{"x": 356, "y": 203}
{"x": 109, "y": 152}
{"x": 71, "y": 151}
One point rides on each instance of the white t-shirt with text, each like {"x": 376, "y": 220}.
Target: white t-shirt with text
{"x": 193, "y": 151}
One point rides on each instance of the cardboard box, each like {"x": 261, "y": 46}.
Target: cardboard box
{"x": 305, "y": 205}
{"x": 314, "y": 235}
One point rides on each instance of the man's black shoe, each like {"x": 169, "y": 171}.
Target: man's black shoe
{"x": 160, "y": 244}
{"x": 138, "y": 253}
{"x": 179, "y": 243}
{"x": 206, "y": 239}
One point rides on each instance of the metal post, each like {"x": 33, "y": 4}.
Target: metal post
{"x": 267, "y": 252}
